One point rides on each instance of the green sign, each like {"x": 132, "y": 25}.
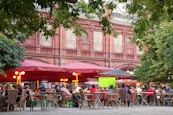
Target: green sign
{"x": 107, "y": 81}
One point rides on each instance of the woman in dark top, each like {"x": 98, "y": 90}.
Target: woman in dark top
{"x": 19, "y": 88}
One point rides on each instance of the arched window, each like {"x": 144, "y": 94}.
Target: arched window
{"x": 70, "y": 39}
{"x": 46, "y": 41}
{"x": 98, "y": 41}
{"x": 118, "y": 44}
{"x": 128, "y": 41}
{"x": 84, "y": 37}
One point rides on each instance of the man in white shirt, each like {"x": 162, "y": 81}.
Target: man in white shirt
{"x": 139, "y": 90}
{"x": 76, "y": 88}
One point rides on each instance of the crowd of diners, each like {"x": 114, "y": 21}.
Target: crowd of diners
{"x": 4, "y": 94}
{"x": 69, "y": 92}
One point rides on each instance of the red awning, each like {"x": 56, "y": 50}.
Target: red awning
{"x": 81, "y": 67}
{"x": 35, "y": 70}
{"x": 84, "y": 70}
{"x": 36, "y": 65}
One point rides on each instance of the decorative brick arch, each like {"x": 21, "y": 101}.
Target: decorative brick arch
{"x": 90, "y": 62}
{"x": 30, "y": 58}
{"x": 127, "y": 66}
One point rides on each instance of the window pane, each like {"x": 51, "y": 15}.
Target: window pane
{"x": 70, "y": 39}
{"x": 98, "y": 41}
{"x": 118, "y": 43}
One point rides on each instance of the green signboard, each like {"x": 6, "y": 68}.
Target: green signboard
{"x": 107, "y": 81}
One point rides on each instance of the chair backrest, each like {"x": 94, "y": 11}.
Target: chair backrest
{"x": 31, "y": 96}
{"x": 122, "y": 94}
{"x": 23, "y": 95}
{"x": 50, "y": 91}
{"x": 81, "y": 94}
{"x": 12, "y": 96}
{"x": 51, "y": 97}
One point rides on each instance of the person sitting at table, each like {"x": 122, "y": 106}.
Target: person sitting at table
{"x": 28, "y": 92}
{"x": 42, "y": 88}
{"x": 57, "y": 89}
{"x": 85, "y": 89}
{"x": 76, "y": 88}
{"x": 19, "y": 89}
{"x": 102, "y": 95}
{"x": 65, "y": 91}
{"x": 111, "y": 89}
{"x": 150, "y": 94}
{"x": 168, "y": 88}
{"x": 128, "y": 92}
{"x": 75, "y": 96}
{"x": 65, "y": 94}
{"x": 138, "y": 91}
{"x": 93, "y": 90}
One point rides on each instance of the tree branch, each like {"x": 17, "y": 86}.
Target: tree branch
{"x": 6, "y": 7}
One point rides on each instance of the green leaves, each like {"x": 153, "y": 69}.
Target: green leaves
{"x": 153, "y": 30}
{"x": 157, "y": 61}
{"x": 2, "y": 72}
{"x": 11, "y": 53}
{"x": 21, "y": 18}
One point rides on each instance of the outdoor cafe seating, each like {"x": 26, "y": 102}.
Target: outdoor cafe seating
{"x": 98, "y": 99}
{"x": 44, "y": 98}
{"x": 9, "y": 102}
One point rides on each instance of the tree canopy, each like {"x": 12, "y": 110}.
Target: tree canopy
{"x": 157, "y": 63}
{"x": 21, "y": 18}
{"x": 11, "y": 54}
{"x": 149, "y": 13}
{"x": 153, "y": 30}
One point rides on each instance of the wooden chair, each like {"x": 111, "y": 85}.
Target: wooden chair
{"x": 123, "y": 97}
{"x": 133, "y": 98}
{"x": 2, "y": 103}
{"x": 34, "y": 98}
{"x": 168, "y": 99}
{"x": 51, "y": 98}
{"x": 31, "y": 101}
{"x": 12, "y": 96}
{"x": 82, "y": 101}
{"x": 85, "y": 100}
{"x": 22, "y": 102}
{"x": 111, "y": 99}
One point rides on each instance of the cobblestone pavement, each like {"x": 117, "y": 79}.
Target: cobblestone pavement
{"x": 137, "y": 110}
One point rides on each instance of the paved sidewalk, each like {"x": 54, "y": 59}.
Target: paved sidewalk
{"x": 138, "y": 110}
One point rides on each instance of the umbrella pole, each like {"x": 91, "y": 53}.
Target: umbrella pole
{"x": 38, "y": 84}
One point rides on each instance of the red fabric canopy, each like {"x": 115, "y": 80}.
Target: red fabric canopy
{"x": 80, "y": 67}
{"x": 35, "y": 70}
{"x": 35, "y": 65}
{"x": 84, "y": 70}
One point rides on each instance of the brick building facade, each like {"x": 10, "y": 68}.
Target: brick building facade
{"x": 93, "y": 47}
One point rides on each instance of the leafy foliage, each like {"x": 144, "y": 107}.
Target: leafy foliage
{"x": 21, "y": 18}
{"x": 11, "y": 54}
{"x": 153, "y": 31}
{"x": 157, "y": 63}
{"x": 150, "y": 14}
{"x": 2, "y": 72}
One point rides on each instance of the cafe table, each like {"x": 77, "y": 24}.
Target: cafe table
{"x": 143, "y": 96}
